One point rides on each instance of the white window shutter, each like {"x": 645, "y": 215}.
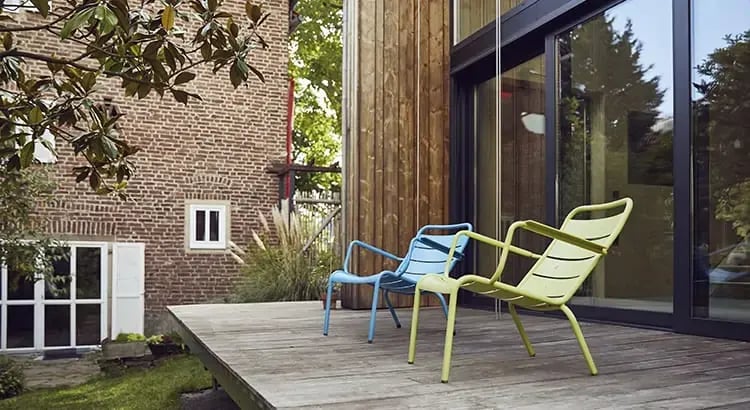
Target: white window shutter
{"x": 128, "y": 271}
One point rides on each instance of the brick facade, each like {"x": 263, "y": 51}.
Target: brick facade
{"x": 217, "y": 149}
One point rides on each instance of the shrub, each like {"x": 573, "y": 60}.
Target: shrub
{"x": 172, "y": 337}
{"x": 130, "y": 337}
{"x": 11, "y": 378}
{"x": 277, "y": 267}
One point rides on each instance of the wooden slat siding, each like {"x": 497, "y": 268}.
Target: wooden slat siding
{"x": 446, "y": 111}
{"x": 407, "y": 132}
{"x": 351, "y": 173}
{"x": 277, "y": 350}
{"x": 423, "y": 138}
{"x": 366, "y": 146}
{"x": 389, "y": 199}
{"x": 435, "y": 101}
{"x": 387, "y": 142}
{"x": 379, "y": 160}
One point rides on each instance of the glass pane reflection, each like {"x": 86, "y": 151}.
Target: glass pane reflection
{"x": 615, "y": 140}
{"x": 721, "y": 127}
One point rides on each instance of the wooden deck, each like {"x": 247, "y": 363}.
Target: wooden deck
{"x": 274, "y": 355}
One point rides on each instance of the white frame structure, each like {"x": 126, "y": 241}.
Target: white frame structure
{"x": 40, "y": 302}
{"x": 118, "y": 293}
{"x": 193, "y": 242}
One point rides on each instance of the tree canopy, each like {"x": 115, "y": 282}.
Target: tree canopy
{"x": 721, "y": 118}
{"x": 149, "y": 47}
{"x": 316, "y": 62}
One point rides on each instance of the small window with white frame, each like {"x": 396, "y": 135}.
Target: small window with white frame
{"x": 207, "y": 225}
{"x": 15, "y": 6}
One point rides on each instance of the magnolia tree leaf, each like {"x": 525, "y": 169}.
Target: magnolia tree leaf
{"x": 183, "y": 78}
{"x": 167, "y": 17}
{"x": 42, "y": 6}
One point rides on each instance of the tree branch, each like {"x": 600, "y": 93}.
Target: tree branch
{"x": 40, "y": 27}
{"x": 14, "y": 52}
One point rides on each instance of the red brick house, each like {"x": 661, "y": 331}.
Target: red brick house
{"x": 201, "y": 179}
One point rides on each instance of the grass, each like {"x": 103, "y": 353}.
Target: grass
{"x": 156, "y": 388}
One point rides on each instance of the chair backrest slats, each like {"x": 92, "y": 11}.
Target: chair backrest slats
{"x": 563, "y": 267}
{"x": 423, "y": 259}
{"x": 599, "y": 230}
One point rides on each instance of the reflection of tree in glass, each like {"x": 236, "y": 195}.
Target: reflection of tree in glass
{"x": 722, "y": 124}
{"x": 601, "y": 75}
{"x": 57, "y": 286}
{"x": 88, "y": 273}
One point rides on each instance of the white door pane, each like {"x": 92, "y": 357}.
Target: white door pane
{"x": 128, "y": 266}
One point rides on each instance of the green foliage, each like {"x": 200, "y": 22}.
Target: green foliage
{"x": 164, "y": 338}
{"x": 147, "y": 46}
{"x": 733, "y": 206}
{"x": 277, "y": 269}
{"x": 721, "y": 124}
{"x": 156, "y": 388}
{"x": 316, "y": 59}
{"x": 155, "y": 339}
{"x": 11, "y": 378}
{"x": 20, "y": 228}
{"x": 130, "y": 337}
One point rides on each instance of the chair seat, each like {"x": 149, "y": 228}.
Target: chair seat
{"x": 406, "y": 283}
{"x": 394, "y": 283}
{"x": 340, "y": 276}
{"x": 443, "y": 284}
{"x": 438, "y": 283}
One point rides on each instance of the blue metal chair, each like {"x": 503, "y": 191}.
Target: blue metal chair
{"x": 426, "y": 254}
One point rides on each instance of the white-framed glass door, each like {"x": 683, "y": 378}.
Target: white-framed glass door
{"x": 68, "y": 313}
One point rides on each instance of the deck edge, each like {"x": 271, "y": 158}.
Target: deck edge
{"x": 238, "y": 390}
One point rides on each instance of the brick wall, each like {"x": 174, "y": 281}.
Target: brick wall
{"x": 216, "y": 149}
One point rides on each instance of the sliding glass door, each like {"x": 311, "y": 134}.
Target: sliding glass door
{"x": 509, "y": 167}
{"x": 614, "y": 125}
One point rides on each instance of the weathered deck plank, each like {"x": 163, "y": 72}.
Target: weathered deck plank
{"x": 276, "y": 352}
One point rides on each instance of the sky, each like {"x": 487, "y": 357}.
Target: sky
{"x": 651, "y": 19}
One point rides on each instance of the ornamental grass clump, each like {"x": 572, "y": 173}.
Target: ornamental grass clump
{"x": 280, "y": 264}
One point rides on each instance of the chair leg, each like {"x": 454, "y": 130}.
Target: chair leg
{"x": 441, "y": 298}
{"x": 327, "y": 314}
{"x": 390, "y": 307}
{"x": 581, "y": 340}
{"x": 444, "y": 305}
{"x": 373, "y": 310}
{"x": 414, "y": 325}
{"x": 448, "y": 350}
{"x": 519, "y": 326}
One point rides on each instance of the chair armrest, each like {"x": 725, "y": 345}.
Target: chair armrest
{"x": 500, "y": 244}
{"x": 486, "y": 240}
{"x": 554, "y": 233}
{"x": 371, "y": 248}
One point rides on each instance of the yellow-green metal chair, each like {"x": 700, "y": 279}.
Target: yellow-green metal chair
{"x": 555, "y": 277}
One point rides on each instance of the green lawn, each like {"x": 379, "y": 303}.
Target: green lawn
{"x": 155, "y": 388}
